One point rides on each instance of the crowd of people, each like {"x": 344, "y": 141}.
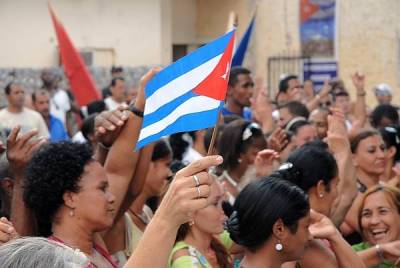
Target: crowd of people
{"x": 305, "y": 178}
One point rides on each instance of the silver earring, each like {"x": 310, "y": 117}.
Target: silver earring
{"x": 71, "y": 213}
{"x": 278, "y": 246}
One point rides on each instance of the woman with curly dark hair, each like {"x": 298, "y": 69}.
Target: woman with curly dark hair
{"x": 74, "y": 198}
{"x": 68, "y": 192}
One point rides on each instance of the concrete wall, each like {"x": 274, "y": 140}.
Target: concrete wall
{"x": 184, "y": 16}
{"x": 369, "y": 41}
{"x": 138, "y": 31}
{"x": 368, "y": 37}
{"x": 141, "y": 32}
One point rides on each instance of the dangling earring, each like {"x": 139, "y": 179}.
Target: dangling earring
{"x": 278, "y": 246}
{"x": 71, "y": 212}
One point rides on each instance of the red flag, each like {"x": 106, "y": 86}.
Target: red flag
{"x": 81, "y": 82}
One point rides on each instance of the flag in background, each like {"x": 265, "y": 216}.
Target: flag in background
{"x": 81, "y": 82}
{"x": 242, "y": 47}
{"x": 188, "y": 94}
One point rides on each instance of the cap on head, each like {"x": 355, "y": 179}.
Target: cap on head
{"x": 383, "y": 90}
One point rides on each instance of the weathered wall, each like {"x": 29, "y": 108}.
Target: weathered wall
{"x": 138, "y": 31}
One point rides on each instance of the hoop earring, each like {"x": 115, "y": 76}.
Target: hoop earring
{"x": 278, "y": 246}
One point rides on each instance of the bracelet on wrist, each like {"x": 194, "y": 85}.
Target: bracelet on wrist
{"x": 361, "y": 94}
{"x": 101, "y": 145}
{"x": 379, "y": 252}
{"x": 135, "y": 110}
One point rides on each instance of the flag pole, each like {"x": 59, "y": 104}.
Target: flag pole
{"x": 214, "y": 134}
{"x": 232, "y": 23}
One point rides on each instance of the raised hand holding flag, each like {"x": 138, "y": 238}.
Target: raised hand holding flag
{"x": 188, "y": 94}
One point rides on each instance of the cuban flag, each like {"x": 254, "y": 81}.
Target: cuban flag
{"x": 188, "y": 94}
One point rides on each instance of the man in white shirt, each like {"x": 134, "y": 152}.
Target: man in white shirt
{"x": 118, "y": 94}
{"x": 16, "y": 114}
{"x": 60, "y": 103}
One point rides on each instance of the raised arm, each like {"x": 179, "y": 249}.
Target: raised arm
{"x": 262, "y": 108}
{"x": 339, "y": 145}
{"x": 122, "y": 158}
{"x": 315, "y": 101}
{"x": 360, "y": 107}
{"x": 19, "y": 152}
{"x": 108, "y": 125}
{"x": 323, "y": 228}
{"x": 176, "y": 208}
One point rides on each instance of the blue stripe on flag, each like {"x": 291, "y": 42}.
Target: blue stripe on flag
{"x": 166, "y": 109}
{"x": 185, "y": 123}
{"x": 188, "y": 63}
{"x": 238, "y": 58}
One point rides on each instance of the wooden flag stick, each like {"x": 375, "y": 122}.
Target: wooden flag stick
{"x": 214, "y": 134}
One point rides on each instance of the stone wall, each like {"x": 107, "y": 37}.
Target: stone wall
{"x": 30, "y": 78}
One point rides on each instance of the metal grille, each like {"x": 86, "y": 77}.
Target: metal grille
{"x": 279, "y": 66}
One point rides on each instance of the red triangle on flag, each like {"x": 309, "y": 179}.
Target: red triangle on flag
{"x": 307, "y": 9}
{"x": 81, "y": 82}
{"x": 216, "y": 83}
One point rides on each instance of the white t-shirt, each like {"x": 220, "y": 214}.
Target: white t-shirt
{"x": 28, "y": 119}
{"x": 112, "y": 104}
{"x": 79, "y": 138}
{"x": 190, "y": 155}
{"x": 60, "y": 105}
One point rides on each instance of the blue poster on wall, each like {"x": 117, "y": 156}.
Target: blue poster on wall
{"x": 317, "y": 28}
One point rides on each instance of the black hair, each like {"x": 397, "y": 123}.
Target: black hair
{"x": 315, "y": 164}
{"x": 87, "y": 127}
{"x": 384, "y": 111}
{"x": 5, "y": 198}
{"x": 319, "y": 144}
{"x": 116, "y": 69}
{"x": 234, "y": 74}
{"x": 5, "y": 170}
{"x": 284, "y": 83}
{"x": 355, "y": 141}
{"x": 391, "y": 136}
{"x": 296, "y": 108}
{"x": 115, "y": 79}
{"x": 179, "y": 143}
{"x": 293, "y": 126}
{"x": 161, "y": 150}
{"x": 231, "y": 143}
{"x": 7, "y": 89}
{"x": 208, "y": 136}
{"x": 231, "y": 117}
{"x": 40, "y": 92}
{"x": 261, "y": 204}
{"x": 96, "y": 107}
{"x": 53, "y": 170}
